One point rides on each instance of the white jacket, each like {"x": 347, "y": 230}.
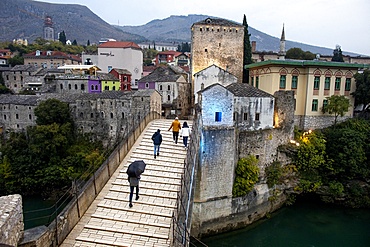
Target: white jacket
{"x": 185, "y": 132}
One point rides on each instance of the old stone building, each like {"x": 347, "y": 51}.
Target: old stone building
{"x": 14, "y": 79}
{"x": 209, "y": 76}
{"x": 171, "y": 82}
{"x": 217, "y": 42}
{"x": 237, "y": 121}
{"x": 109, "y": 115}
{"x": 50, "y": 59}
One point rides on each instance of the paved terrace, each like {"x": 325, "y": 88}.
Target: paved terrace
{"x": 109, "y": 221}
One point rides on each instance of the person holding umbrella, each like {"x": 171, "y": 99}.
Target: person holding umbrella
{"x": 134, "y": 170}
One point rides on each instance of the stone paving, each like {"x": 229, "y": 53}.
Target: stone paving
{"x": 111, "y": 222}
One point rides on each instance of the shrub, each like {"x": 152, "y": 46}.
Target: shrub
{"x": 246, "y": 175}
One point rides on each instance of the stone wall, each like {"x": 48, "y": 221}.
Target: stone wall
{"x": 319, "y": 122}
{"x": 11, "y": 220}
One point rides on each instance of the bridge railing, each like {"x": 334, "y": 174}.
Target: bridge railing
{"x": 84, "y": 191}
{"x": 181, "y": 219}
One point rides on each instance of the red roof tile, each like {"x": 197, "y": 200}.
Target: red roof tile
{"x": 119, "y": 44}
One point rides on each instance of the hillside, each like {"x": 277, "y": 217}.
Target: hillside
{"x": 25, "y": 19}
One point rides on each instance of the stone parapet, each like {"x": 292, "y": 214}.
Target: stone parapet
{"x": 11, "y": 220}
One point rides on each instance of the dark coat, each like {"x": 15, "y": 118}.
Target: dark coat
{"x": 157, "y": 138}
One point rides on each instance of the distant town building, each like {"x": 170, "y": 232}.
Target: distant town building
{"x": 159, "y": 46}
{"x": 124, "y": 55}
{"x": 50, "y": 59}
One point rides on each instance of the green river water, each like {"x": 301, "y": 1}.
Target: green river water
{"x": 304, "y": 224}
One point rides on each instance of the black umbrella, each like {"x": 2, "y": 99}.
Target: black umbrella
{"x": 136, "y": 168}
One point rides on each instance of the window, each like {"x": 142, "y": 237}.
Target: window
{"x": 348, "y": 84}
{"x": 146, "y": 85}
{"x": 316, "y": 83}
{"x": 168, "y": 98}
{"x": 82, "y": 87}
{"x": 160, "y": 88}
{"x": 252, "y": 80}
{"x": 96, "y": 87}
{"x": 30, "y": 117}
{"x": 327, "y": 83}
{"x": 245, "y": 116}
{"x": 4, "y": 117}
{"x": 16, "y": 116}
{"x": 257, "y": 117}
{"x": 294, "y": 82}
{"x": 218, "y": 116}
{"x": 91, "y": 115}
{"x": 109, "y": 68}
{"x": 282, "y": 81}
{"x": 76, "y": 87}
{"x": 324, "y": 103}
{"x": 106, "y": 87}
{"x": 206, "y": 50}
{"x": 337, "y": 83}
{"x": 123, "y": 115}
{"x": 111, "y": 115}
{"x": 114, "y": 88}
{"x": 257, "y": 81}
{"x": 69, "y": 86}
{"x": 314, "y": 104}
{"x": 168, "y": 87}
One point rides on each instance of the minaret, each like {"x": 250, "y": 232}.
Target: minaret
{"x": 282, "y": 52}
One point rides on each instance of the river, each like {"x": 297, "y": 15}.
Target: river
{"x": 304, "y": 224}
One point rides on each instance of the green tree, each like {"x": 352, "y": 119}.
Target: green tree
{"x": 74, "y": 42}
{"x": 247, "y": 56}
{"x": 311, "y": 161}
{"x": 298, "y": 53}
{"x": 362, "y": 92}
{"x": 246, "y": 176}
{"x": 337, "y": 54}
{"x": 88, "y": 42}
{"x": 52, "y": 111}
{"x": 16, "y": 60}
{"x": 62, "y": 37}
{"x": 337, "y": 105}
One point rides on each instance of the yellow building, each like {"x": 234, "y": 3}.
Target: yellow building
{"x": 312, "y": 81}
{"x": 109, "y": 82}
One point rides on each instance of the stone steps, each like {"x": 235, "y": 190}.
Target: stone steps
{"x": 148, "y": 222}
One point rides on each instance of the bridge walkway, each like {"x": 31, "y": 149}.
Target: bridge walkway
{"x": 110, "y": 221}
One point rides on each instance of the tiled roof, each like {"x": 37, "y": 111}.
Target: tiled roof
{"x": 218, "y": 22}
{"x": 122, "y": 71}
{"x": 246, "y": 90}
{"x": 119, "y": 44}
{"x": 107, "y": 76}
{"x": 19, "y": 99}
{"x": 53, "y": 54}
{"x": 25, "y": 68}
{"x": 175, "y": 53}
{"x": 162, "y": 74}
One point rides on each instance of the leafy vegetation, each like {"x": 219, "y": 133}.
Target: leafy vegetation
{"x": 362, "y": 92}
{"x": 337, "y": 55}
{"x": 333, "y": 161}
{"x": 247, "y": 55}
{"x": 298, "y": 53}
{"x": 48, "y": 156}
{"x": 246, "y": 175}
{"x": 337, "y": 105}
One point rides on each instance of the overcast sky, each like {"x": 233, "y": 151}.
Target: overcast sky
{"x": 323, "y": 23}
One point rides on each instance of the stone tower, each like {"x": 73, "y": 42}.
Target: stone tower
{"x": 217, "y": 42}
{"x": 282, "y": 52}
{"x": 48, "y": 28}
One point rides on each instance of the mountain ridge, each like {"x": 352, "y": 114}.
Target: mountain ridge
{"x": 25, "y": 19}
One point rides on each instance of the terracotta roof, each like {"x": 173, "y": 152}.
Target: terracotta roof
{"x": 53, "y": 54}
{"x": 175, "y": 53}
{"x": 107, "y": 76}
{"x": 119, "y": 44}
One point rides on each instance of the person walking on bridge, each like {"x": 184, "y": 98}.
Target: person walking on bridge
{"x": 176, "y": 127}
{"x": 157, "y": 140}
{"x": 185, "y": 133}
